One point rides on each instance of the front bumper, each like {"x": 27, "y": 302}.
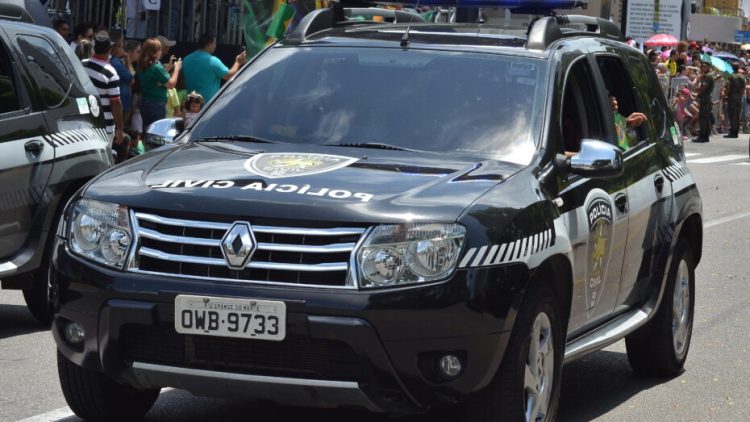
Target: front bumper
{"x": 370, "y": 349}
{"x": 301, "y": 392}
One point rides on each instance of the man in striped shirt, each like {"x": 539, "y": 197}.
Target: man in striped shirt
{"x": 107, "y": 83}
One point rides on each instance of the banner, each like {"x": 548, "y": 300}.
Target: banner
{"x": 650, "y": 17}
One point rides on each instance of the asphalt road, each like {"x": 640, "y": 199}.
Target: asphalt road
{"x": 601, "y": 386}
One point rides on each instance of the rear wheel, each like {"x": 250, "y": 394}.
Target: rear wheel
{"x": 527, "y": 385}
{"x": 91, "y": 395}
{"x": 660, "y": 347}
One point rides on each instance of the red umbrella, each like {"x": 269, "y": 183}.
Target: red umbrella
{"x": 662, "y": 39}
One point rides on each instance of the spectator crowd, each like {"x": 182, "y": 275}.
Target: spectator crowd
{"x": 140, "y": 83}
{"x": 707, "y": 88}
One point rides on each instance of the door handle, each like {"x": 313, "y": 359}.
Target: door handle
{"x": 621, "y": 202}
{"x": 659, "y": 183}
{"x": 34, "y": 147}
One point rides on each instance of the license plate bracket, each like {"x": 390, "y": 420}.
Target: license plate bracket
{"x": 230, "y": 317}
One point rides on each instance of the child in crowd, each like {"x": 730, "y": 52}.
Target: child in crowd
{"x": 84, "y": 50}
{"x": 193, "y": 105}
{"x": 681, "y": 110}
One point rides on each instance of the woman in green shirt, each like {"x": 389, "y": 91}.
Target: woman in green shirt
{"x": 153, "y": 81}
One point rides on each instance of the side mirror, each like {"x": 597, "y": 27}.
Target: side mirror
{"x": 596, "y": 159}
{"x": 164, "y": 131}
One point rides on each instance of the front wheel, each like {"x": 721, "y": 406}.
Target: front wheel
{"x": 93, "y": 396}
{"x": 660, "y": 347}
{"x": 527, "y": 385}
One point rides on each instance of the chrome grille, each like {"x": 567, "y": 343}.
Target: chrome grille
{"x": 318, "y": 256}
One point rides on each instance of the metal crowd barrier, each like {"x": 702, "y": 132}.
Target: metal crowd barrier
{"x": 180, "y": 20}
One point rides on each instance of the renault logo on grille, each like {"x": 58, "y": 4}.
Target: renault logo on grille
{"x": 238, "y": 245}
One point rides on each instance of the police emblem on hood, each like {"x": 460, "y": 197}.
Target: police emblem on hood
{"x": 284, "y": 164}
{"x": 599, "y": 246}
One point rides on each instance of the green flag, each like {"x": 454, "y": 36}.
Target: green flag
{"x": 255, "y": 40}
{"x": 277, "y": 28}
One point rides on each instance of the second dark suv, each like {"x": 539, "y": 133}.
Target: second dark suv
{"x": 52, "y": 141}
{"x": 390, "y": 216}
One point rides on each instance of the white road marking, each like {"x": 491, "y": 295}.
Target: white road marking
{"x": 727, "y": 219}
{"x": 741, "y": 164}
{"x": 53, "y": 415}
{"x": 692, "y": 154}
{"x": 718, "y": 159}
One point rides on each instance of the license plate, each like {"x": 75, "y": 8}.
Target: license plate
{"x": 228, "y": 317}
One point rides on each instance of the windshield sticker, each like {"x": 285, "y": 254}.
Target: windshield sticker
{"x": 83, "y": 105}
{"x": 284, "y": 164}
{"x": 262, "y": 187}
{"x": 94, "y": 106}
{"x": 521, "y": 68}
{"x": 675, "y": 130}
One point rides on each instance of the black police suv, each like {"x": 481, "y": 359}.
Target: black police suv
{"x": 389, "y": 216}
{"x": 52, "y": 141}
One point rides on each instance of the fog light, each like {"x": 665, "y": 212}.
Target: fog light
{"x": 450, "y": 366}
{"x": 74, "y": 333}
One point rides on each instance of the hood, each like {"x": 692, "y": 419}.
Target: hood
{"x": 310, "y": 182}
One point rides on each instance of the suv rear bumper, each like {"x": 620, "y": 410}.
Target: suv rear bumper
{"x": 374, "y": 350}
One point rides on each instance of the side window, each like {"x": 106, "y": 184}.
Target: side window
{"x": 620, "y": 90}
{"x": 47, "y": 69}
{"x": 581, "y": 117}
{"x": 8, "y": 93}
{"x": 649, "y": 91}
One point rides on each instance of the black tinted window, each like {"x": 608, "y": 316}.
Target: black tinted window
{"x": 580, "y": 116}
{"x": 8, "y": 94}
{"x": 465, "y": 103}
{"x": 650, "y": 92}
{"x": 619, "y": 86}
{"x": 47, "y": 69}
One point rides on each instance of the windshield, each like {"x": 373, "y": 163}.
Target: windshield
{"x": 447, "y": 102}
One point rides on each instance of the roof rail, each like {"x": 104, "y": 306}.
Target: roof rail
{"x": 322, "y": 19}
{"x": 544, "y": 31}
{"x": 15, "y": 12}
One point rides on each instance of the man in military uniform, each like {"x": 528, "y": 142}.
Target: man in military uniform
{"x": 734, "y": 101}
{"x": 704, "y": 100}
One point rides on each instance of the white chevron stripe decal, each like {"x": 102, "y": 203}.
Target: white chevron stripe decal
{"x": 518, "y": 250}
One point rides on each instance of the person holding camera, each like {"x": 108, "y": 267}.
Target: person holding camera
{"x": 154, "y": 81}
{"x": 204, "y": 72}
{"x": 107, "y": 82}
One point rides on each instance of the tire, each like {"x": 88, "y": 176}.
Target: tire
{"x": 509, "y": 397}
{"x": 93, "y": 396}
{"x": 660, "y": 347}
{"x": 41, "y": 296}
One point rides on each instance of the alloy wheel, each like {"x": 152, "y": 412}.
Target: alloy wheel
{"x": 681, "y": 308}
{"x": 539, "y": 370}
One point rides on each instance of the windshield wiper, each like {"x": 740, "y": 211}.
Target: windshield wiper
{"x": 374, "y": 145}
{"x": 245, "y": 138}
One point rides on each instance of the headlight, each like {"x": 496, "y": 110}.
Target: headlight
{"x": 100, "y": 231}
{"x": 393, "y": 255}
